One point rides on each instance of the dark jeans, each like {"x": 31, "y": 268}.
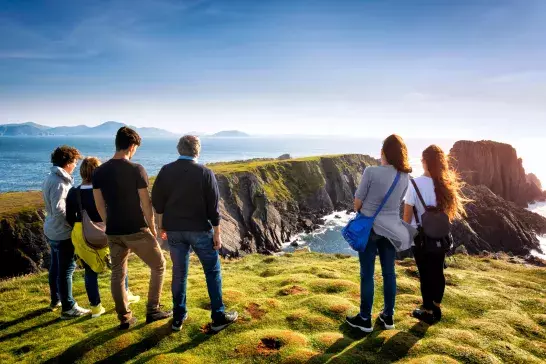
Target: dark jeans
{"x": 181, "y": 243}
{"x": 60, "y": 272}
{"x": 92, "y": 285}
{"x": 387, "y": 254}
{"x": 431, "y": 275}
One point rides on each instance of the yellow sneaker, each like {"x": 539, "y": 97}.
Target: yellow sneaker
{"x": 131, "y": 298}
{"x": 97, "y": 310}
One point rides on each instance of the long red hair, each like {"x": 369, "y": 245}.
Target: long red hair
{"x": 447, "y": 183}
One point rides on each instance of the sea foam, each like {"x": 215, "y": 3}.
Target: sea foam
{"x": 539, "y": 208}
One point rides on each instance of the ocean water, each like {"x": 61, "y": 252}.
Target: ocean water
{"x": 540, "y": 208}
{"x": 328, "y": 238}
{"x": 25, "y": 161}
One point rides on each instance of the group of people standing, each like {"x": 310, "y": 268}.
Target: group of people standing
{"x": 185, "y": 198}
{"x": 440, "y": 188}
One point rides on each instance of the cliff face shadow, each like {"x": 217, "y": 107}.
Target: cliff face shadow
{"x": 373, "y": 347}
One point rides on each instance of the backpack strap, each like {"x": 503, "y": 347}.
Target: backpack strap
{"x": 420, "y": 199}
{"x": 394, "y": 183}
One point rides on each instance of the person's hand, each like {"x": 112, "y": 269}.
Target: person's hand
{"x": 153, "y": 231}
{"x": 217, "y": 241}
{"x": 163, "y": 234}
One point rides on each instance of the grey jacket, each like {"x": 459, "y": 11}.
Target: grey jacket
{"x": 55, "y": 188}
{"x": 373, "y": 187}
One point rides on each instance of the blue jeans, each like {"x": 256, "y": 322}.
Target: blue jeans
{"x": 61, "y": 269}
{"x": 387, "y": 255}
{"x": 92, "y": 284}
{"x": 181, "y": 243}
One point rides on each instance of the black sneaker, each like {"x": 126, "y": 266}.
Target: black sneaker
{"x": 423, "y": 315}
{"x": 158, "y": 315}
{"x": 388, "y": 321}
{"x": 177, "y": 324}
{"x": 437, "y": 312}
{"x": 129, "y": 324}
{"x": 358, "y": 322}
{"x": 228, "y": 319}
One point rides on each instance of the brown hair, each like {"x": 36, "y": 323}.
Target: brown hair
{"x": 447, "y": 184}
{"x": 395, "y": 152}
{"x": 88, "y": 167}
{"x": 64, "y": 155}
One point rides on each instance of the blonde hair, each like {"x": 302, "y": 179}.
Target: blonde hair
{"x": 88, "y": 167}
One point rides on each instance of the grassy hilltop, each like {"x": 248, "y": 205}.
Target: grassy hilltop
{"x": 292, "y": 310}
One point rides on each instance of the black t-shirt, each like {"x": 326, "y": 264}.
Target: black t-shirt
{"x": 88, "y": 204}
{"x": 119, "y": 181}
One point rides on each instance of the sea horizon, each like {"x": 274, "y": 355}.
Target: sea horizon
{"x": 25, "y": 159}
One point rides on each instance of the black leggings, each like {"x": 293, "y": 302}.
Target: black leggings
{"x": 431, "y": 275}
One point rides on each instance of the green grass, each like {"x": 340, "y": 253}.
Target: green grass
{"x": 13, "y": 202}
{"x": 291, "y": 311}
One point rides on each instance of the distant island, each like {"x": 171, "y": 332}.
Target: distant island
{"x": 231, "y": 133}
{"x": 108, "y": 128}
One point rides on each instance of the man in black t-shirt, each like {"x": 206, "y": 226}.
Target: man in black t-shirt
{"x": 120, "y": 188}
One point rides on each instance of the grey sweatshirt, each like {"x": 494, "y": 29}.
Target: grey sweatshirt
{"x": 373, "y": 187}
{"x": 55, "y": 188}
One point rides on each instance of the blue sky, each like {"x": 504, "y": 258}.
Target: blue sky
{"x": 443, "y": 68}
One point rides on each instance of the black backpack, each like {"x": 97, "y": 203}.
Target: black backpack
{"x": 434, "y": 229}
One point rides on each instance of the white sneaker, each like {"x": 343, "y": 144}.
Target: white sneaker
{"x": 76, "y": 311}
{"x": 131, "y": 298}
{"x": 98, "y": 310}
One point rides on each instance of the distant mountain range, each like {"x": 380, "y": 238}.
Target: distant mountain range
{"x": 108, "y": 128}
{"x": 231, "y": 133}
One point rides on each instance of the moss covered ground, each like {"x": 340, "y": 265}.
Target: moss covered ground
{"x": 292, "y": 310}
{"x": 13, "y": 202}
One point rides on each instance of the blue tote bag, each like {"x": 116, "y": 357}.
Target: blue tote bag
{"x": 358, "y": 230}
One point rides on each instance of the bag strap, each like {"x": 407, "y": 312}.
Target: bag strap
{"x": 394, "y": 183}
{"x": 419, "y": 194}
{"x": 416, "y": 215}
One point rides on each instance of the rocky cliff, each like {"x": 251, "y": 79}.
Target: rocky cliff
{"x": 494, "y": 224}
{"x": 23, "y": 247}
{"x": 264, "y": 203}
{"x": 496, "y": 166}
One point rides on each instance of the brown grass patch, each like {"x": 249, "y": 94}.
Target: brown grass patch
{"x": 255, "y": 311}
{"x": 293, "y": 290}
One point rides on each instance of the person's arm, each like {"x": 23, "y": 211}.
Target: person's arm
{"x": 362, "y": 190}
{"x": 212, "y": 197}
{"x": 408, "y": 213}
{"x": 159, "y": 201}
{"x": 146, "y": 204}
{"x": 72, "y": 207}
{"x": 57, "y": 198}
{"x": 99, "y": 203}
{"x": 409, "y": 202}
